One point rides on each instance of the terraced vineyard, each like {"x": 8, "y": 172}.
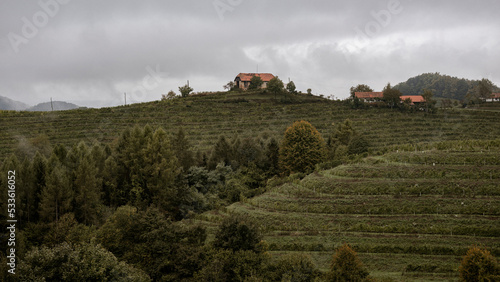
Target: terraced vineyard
{"x": 204, "y": 118}
{"x": 411, "y": 215}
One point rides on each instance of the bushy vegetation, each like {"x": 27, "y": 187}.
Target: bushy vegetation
{"x": 200, "y": 188}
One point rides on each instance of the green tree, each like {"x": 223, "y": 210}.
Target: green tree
{"x": 290, "y": 87}
{"x": 39, "y": 170}
{"x": 182, "y": 150}
{"x": 479, "y": 265}
{"x": 87, "y": 187}
{"x": 294, "y": 267}
{"x": 391, "y": 96}
{"x": 255, "y": 82}
{"x": 221, "y": 152}
{"x": 230, "y": 86}
{"x": 238, "y": 234}
{"x": 227, "y": 265}
{"x": 160, "y": 172}
{"x": 357, "y": 145}
{"x": 346, "y": 266}
{"x": 56, "y": 196}
{"x": 85, "y": 262}
{"x": 276, "y": 86}
{"x": 430, "y": 104}
{"x": 185, "y": 90}
{"x": 302, "y": 148}
{"x": 360, "y": 88}
{"x": 149, "y": 240}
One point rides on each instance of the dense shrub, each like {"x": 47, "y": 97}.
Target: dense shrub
{"x": 479, "y": 265}
{"x": 302, "y": 148}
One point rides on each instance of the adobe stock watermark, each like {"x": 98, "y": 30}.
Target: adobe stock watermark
{"x": 149, "y": 82}
{"x": 39, "y": 20}
{"x": 223, "y": 6}
{"x": 381, "y": 19}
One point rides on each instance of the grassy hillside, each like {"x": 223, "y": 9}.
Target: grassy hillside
{"x": 411, "y": 215}
{"x": 204, "y": 118}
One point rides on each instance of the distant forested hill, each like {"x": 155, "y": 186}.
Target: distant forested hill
{"x": 443, "y": 86}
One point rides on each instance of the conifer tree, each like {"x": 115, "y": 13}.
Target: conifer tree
{"x": 56, "y": 196}
{"x": 39, "y": 170}
{"x": 182, "y": 150}
{"x": 161, "y": 170}
{"x": 87, "y": 188}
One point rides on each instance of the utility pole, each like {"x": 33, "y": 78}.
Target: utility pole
{"x": 125, "y": 94}
{"x": 51, "y": 105}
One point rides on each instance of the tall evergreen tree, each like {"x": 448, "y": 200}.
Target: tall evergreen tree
{"x": 39, "y": 169}
{"x": 182, "y": 150}
{"x": 87, "y": 188}
{"x": 56, "y": 196}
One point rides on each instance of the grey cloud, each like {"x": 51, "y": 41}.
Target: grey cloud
{"x": 90, "y": 50}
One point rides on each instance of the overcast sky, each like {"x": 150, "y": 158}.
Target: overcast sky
{"x": 91, "y": 52}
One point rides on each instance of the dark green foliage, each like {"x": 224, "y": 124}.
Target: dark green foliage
{"x": 357, "y": 145}
{"x": 185, "y": 90}
{"x": 56, "y": 196}
{"x": 87, "y": 187}
{"x": 228, "y": 265}
{"x": 290, "y": 87}
{"x": 392, "y": 96}
{"x": 255, "y": 82}
{"x": 479, "y": 265}
{"x": 272, "y": 157}
{"x": 293, "y": 267}
{"x": 238, "y": 234}
{"x": 360, "y": 88}
{"x": 150, "y": 241}
{"x": 275, "y": 86}
{"x": 346, "y": 266}
{"x": 182, "y": 150}
{"x": 302, "y": 148}
{"x": 222, "y": 152}
{"x": 66, "y": 262}
{"x": 444, "y": 86}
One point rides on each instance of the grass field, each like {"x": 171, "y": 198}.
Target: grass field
{"x": 410, "y": 215}
{"x": 204, "y": 118}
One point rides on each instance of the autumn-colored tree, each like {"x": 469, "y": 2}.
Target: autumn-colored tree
{"x": 302, "y": 148}
{"x": 479, "y": 265}
{"x": 346, "y": 266}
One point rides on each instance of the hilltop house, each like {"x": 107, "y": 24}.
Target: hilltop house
{"x": 495, "y": 97}
{"x": 242, "y": 80}
{"x": 415, "y": 99}
{"x": 371, "y": 97}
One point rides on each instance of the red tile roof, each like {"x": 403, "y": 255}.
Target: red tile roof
{"x": 413, "y": 98}
{"x": 495, "y": 95}
{"x": 368, "y": 95}
{"x": 266, "y": 77}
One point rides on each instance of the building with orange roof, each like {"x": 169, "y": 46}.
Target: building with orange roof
{"x": 242, "y": 80}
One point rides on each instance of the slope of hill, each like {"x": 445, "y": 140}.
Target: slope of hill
{"x": 411, "y": 214}
{"x": 443, "y": 86}
{"x": 205, "y": 118}
{"x": 57, "y": 106}
{"x": 11, "y": 105}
